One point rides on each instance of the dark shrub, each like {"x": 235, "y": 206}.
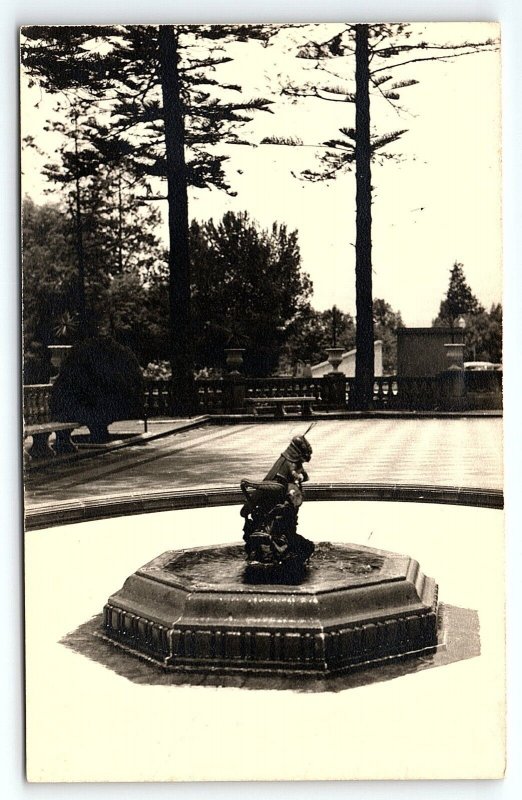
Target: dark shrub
{"x": 99, "y": 382}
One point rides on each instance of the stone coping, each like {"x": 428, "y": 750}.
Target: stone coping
{"x": 223, "y": 419}
{"x": 72, "y": 511}
{"x": 94, "y": 450}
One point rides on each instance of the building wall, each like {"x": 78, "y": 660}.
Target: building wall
{"x": 347, "y": 365}
{"x": 421, "y": 351}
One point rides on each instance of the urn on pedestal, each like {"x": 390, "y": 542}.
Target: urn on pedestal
{"x": 335, "y": 356}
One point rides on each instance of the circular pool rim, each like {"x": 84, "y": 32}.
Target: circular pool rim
{"x": 68, "y": 512}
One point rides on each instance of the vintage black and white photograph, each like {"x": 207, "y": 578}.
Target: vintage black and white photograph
{"x": 262, "y": 401}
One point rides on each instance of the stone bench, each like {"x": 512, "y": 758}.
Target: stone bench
{"x": 276, "y": 405}
{"x": 41, "y": 448}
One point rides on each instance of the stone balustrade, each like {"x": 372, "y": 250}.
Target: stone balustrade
{"x": 36, "y": 403}
{"x": 482, "y": 390}
{"x": 335, "y": 392}
{"x": 158, "y": 397}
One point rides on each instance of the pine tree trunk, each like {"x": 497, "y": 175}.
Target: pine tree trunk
{"x": 120, "y": 228}
{"x": 364, "y": 360}
{"x": 81, "y": 301}
{"x": 179, "y": 263}
{"x": 80, "y": 252}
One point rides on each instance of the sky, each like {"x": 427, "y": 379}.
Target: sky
{"x": 438, "y": 203}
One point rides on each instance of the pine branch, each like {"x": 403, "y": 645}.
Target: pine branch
{"x": 427, "y": 58}
{"x": 342, "y": 90}
{"x": 404, "y": 84}
{"x": 332, "y": 47}
{"x": 394, "y": 50}
{"x": 322, "y": 68}
{"x": 398, "y": 109}
{"x": 380, "y": 81}
{"x": 290, "y": 141}
{"x": 381, "y": 141}
{"x": 204, "y": 63}
{"x": 340, "y": 145}
{"x": 316, "y": 92}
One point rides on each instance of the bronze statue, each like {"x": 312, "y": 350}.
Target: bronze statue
{"x": 271, "y": 508}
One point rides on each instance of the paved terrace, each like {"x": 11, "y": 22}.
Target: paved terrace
{"x": 457, "y": 452}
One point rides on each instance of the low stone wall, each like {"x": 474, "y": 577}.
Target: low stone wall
{"x": 472, "y": 391}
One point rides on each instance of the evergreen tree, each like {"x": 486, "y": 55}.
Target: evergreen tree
{"x": 49, "y": 274}
{"x": 483, "y": 336}
{"x": 117, "y": 299}
{"x": 167, "y": 109}
{"x": 77, "y": 161}
{"x": 459, "y": 299}
{"x": 482, "y": 329}
{"x": 379, "y": 49}
{"x": 114, "y": 231}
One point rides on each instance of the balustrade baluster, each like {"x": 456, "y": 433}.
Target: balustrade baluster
{"x": 168, "y": 399}
{"x": 36, "y": 404}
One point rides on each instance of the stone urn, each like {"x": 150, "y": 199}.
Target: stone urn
{"x": 455, "y": 356}
{"x": 335, "y": 356}
{"x": 58, "y": 353}
{"x": 234, "y": 359}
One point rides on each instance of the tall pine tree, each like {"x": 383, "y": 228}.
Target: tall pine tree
{"x": 378, "y": 50}
{"x": 113, "y": 230}
{"x": 459, "y": 298}
{"x": 163, "y": 106}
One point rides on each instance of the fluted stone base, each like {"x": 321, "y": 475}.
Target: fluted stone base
{"x": 195, "y": 610}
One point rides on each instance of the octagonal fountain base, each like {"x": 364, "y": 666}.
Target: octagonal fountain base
{"x": 198, "y": 610}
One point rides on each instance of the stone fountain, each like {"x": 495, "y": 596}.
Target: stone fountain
{"x": 278, "y": 603}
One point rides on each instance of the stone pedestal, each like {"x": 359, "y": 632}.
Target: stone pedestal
{"x": 195, "y": 610}
{"x": 455, "y": 355}
{"x": 334, "y": 384}
{"x": 234, "y": 392}
{"x": 453, "y": 384}
{"x": 453, "y": 390}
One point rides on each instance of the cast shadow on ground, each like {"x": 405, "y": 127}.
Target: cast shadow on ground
{"x": 459, "y": 637}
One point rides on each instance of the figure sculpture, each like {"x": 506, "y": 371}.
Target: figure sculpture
{"x": 271, "y": 508}
{"x": 206, "y": 610}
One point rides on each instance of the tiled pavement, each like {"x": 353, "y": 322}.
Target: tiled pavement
{"x": 460, "y": 452}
